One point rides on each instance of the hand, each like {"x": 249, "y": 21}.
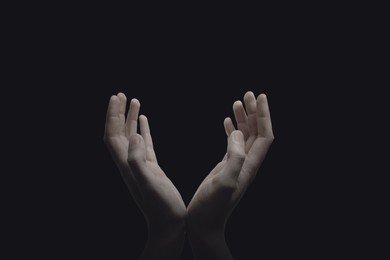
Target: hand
{"x": 154, "y": 193}
{"x": 223, "y": 188}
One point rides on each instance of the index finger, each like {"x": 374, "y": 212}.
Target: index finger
{"x": 113, "y": 123}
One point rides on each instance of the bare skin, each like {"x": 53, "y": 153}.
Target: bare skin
{"x": 223, "y": 188}
{"x": 216, "y": 197}
{"x": 155, "y": 194}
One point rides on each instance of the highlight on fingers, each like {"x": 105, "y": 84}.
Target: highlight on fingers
{"x": 249, "y": 93}
{"x": 145, "y": 130}
{"x": 262, "y": 106}
{"x": 264, "y": 124}
{"x": 122, "y": 105}
{"x": 135, "y": 104}
{"x": 250, "y": 102}
{"x": 145, "y": 133}
{"x": 132, "y": 117}
{"x": 112, "y": 125}
{"x": 122, "y": 96}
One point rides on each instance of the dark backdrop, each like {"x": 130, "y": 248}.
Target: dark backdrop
{"x": 187, "y": 70}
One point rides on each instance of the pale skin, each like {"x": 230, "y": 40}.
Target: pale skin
{"x": 216, "y": 197}
{"x": 154, "y": 193}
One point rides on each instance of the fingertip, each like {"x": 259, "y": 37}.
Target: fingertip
{"x": 228, "y": 125}
{"x": 121, "y": 94}
{"x": 135, "y": 102}
{"x": 262, "y": 96}
{"x": 122, "y": 99}
{"x": 262, "y": 100}
{"x": 114, "y": 99}
{"x": 143, "y": 119}
{"x": 237, "y": 104}
{"x": 227, "y": 120}
{"x": 248, "y": 95}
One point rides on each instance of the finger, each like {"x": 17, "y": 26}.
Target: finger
{"x": 122, "y": 110}
{"x": 123, "y": 100}
{"x": 137, "y": 157}
{"x": 264, "y": 125}
{"x": 113, "y": 124}
{"x": 250, "y": 106}
{"x": 235, "y": 154}
{"x": 145, "y": 132}
{"x": 132, "y": 117}
{"x": 229, "y": 127}
{"x": 241, "y": 118}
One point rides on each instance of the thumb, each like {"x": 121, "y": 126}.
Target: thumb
{"x": 235, "y": 153}
{"x": 136, "y": 153}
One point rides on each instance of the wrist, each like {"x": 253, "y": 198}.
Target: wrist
{"x": 165, "y": 225}
{"x": 204, "y": 237}
{"x": 201, "y": 227}
{"x": 208, "y": 242}
{"x": 173, "y": 230}
{"x": 209, "y": 245}
{"x": 164, "y": 242}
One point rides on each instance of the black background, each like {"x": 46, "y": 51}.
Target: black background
{"x": 187, "y": 68}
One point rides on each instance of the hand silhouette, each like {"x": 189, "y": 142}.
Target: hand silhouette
{"x": 216, "y": 197}
{"x": 154, "y": 193}
{"x": 223, "y": 188}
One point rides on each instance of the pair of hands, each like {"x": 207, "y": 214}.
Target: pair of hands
{"x": 216, "y": 197}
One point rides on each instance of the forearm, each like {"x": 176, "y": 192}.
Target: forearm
{"x": 164, "y": 245}
{"x": 209, "y": 246}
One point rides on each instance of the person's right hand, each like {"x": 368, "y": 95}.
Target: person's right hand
{"x": 155, "y": 194}
{"x": 223, "y": 188}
